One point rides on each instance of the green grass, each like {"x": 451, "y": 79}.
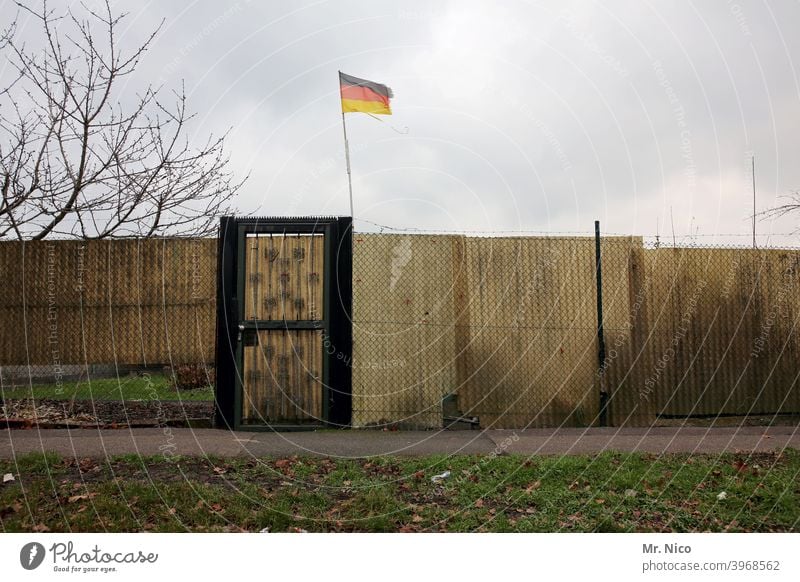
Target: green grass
{"x": 608, "y": 492}
{"x": 156, "y": 386}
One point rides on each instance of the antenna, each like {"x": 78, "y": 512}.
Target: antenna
{"x": 753, "y": 160}
{"x": 672, "y": 223}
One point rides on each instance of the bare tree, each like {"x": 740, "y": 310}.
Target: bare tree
{"x": 76, "y": 161}
{"x": 791, "y": 205}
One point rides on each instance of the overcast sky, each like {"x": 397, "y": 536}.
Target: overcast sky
{"x": 507, "y": 115}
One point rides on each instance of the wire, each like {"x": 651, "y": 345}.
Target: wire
{"x": 562, "y": 232}
{"x": 403, "y": 131}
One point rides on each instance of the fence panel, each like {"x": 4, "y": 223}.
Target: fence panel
{"x": 84, "y": 320}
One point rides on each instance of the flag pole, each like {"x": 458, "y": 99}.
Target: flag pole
{"x": 347, "y": 161}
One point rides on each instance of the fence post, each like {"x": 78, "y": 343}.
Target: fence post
{"x": 601, "y": 341}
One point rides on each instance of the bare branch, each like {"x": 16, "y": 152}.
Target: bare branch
{"x": 75, "y": 162}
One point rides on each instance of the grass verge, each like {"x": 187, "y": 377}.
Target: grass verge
{"x": 607, "y": 492}
{"x": 156, "y": 386}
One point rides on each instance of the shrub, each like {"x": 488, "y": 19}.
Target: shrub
{"x": 192, "y": 376}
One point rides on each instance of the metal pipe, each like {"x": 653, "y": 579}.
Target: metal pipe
{"x": 601, "y": 342}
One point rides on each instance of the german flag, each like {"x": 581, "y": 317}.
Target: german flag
{"x": 363, "y": 96}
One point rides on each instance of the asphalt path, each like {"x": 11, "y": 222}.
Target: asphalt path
{"x": 101, "y": 443}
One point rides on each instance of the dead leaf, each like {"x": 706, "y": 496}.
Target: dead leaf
{"x": 172, "y": 511}
{"x": 81, "y": 497}
{"x": 86, "y": 465}
{"x": 600, "y": 501}
{"x": 41, "y": 528}
{"x": 416, "y": 518}
{"x": 479, "y": 503}
{"x": 419, "y": 475}
{"x": 219, "y": 470}
{"x": 533, "y": 487}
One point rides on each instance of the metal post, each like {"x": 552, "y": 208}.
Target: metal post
{"x": 754, "y": 200}
{"x": 347, "y": 161}
{"x": 601, "y": 342}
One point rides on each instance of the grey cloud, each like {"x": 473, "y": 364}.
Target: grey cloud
{"x": 520, "y": 116}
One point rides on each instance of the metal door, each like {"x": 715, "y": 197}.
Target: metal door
{"x": 284, "y": 330}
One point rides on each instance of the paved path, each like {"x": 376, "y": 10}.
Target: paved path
{"x": 358, "y": 443}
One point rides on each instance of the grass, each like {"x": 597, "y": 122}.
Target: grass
{"x": 124, "y": 388}
{"x": 608, "y": 492}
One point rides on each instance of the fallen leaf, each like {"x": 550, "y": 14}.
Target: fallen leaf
{"x": 533, "y": 486}
{"x": 600, "y": 501}
{"x": 172, "y": 511}
{"x": 219, "y": 470}
{"x": 8, "y": 478}
{"x": 81, "y": 497}
{"x": 86, "y": 464}
{"x": 479, "y": 503}
{"x": 416, "y": 518}
{"x": 41, "y": 528}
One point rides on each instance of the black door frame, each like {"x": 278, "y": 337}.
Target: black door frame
{"x": 233, "y": 329}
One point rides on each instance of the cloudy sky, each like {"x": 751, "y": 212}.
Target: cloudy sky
{"x": 509, "y": 115}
